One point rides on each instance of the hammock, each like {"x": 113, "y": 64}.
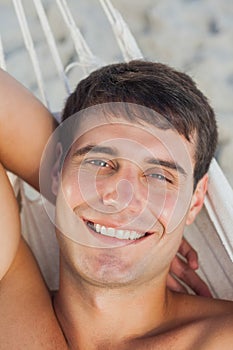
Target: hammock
{"x": 211, "y": 234}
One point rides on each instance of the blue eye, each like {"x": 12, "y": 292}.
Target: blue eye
{"x": 159, "y": 177}
{"x": 100, "y": 163}
{"x": 99, "y": 166}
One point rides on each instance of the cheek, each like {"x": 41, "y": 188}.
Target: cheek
{"x": 175, "y": 210}
{"x": 87, "y": 186}
{"x": 79, "y": 186}
{"x": 170, "y": 203}
{"x": 170, "y": 207}
{"x": 165, "y": 205}
{"x": 70, "y": 188}
{"x": 162, "y": 202}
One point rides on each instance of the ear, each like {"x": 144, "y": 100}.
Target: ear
{"x": 55, "y": 174}
{"x": 197, "y": 199}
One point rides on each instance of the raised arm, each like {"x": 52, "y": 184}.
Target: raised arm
{"x": 9, "y": 223}
{"x": 25, "y": 126}
{"x": 24, "y": 298}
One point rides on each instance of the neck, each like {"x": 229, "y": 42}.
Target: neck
{"x": 91, "y": 316}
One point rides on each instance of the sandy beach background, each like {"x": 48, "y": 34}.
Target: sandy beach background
{"x": 195, "y": 36}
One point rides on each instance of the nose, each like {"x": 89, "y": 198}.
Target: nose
{"x": 125, "y": 190}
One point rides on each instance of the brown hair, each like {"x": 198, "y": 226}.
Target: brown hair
{"x": 172, "y": 94}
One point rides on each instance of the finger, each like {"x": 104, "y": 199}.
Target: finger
{"x": 187, "y": 251}
{"x": 174, "y": 285}
{"x": 198, "y": 285}
{"x": 190, "y": 277}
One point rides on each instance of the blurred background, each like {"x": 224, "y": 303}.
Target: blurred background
{"x": 195, "y": 36}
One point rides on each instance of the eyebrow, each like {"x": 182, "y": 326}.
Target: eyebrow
{"x": 95, "y": 149}
{"x": 111, "y": 151}
{"x": 167, "y": 164}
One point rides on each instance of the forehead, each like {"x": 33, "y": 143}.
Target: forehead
{"x": 135, "y": 140}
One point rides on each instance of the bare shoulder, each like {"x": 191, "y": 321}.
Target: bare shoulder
{"x": 210, "y": 321}
{"x": 202, "y": 307}
{"x": 219, "y": 328}
{"x": 194, "y": 323}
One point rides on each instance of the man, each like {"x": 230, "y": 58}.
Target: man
{"x": 130, "y": 177}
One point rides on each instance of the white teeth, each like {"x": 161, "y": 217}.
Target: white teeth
{"x": 97, "y": 228}
{"x": 103, "y": 230}
{"x": 120, "y": 234}
{"x": 133, "y": 235}
{"x": 111, "y": 232}
{"x": 127, "y": 234}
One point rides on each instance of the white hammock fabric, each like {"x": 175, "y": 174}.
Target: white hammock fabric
{"x": 211, "y": 235}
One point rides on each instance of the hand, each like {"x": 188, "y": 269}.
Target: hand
{"x": 184, "y": 266}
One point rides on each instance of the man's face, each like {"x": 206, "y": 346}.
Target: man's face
{"x": 123, "y": 200}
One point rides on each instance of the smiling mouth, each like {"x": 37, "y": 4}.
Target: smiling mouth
{"x": 115, "y": 233}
